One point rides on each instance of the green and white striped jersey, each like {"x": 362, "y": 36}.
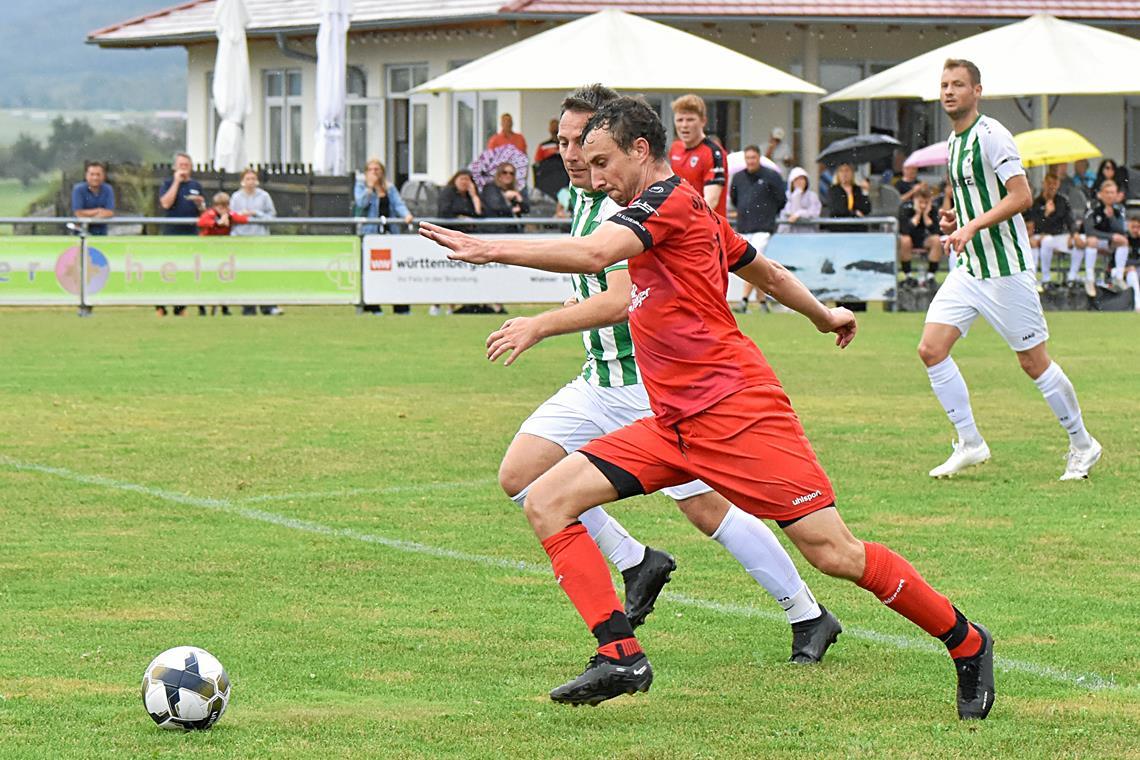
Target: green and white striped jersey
{"x": 982, "y": 160}
{"x": 609, "y": 350}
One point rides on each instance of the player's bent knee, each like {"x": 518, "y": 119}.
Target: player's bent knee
{"x": 931, "y": 354}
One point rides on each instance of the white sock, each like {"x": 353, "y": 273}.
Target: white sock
{"x": 1134, "y": 280}
{"x": 1046, "y": 262}
{"x": 1074, "y": 264}
{"x": 1062, "y": 399}
{"x": 622, "y": 549}
{"x": 755, "y": 547}
{"x": 1120, "y": 258}
{"x": 1090, "y": 264}
{"x": 1035, "y": 254}
{"x": 950, "y": 389}
{"x": 614, "y": 541}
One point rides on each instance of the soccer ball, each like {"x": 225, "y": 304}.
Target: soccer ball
{"x": 185, "y": 688}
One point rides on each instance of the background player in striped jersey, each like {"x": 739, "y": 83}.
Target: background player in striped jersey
{"x": 994, "y": 278}
{"x": 608, "y": 395}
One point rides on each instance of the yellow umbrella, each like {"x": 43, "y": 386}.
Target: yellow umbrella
{"x": 1053, "y": 146}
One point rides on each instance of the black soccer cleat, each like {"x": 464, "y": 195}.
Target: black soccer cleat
{"x": 976, "y": 680}
{"x": 643, "y": 584}
{"x": 605, "y": 679}
{"x": 811, "y": 638}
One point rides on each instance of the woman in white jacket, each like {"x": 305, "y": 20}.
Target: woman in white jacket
{"x": 802, "y": 203}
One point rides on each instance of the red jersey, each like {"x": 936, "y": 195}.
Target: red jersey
{"x": 208, "y": 222}
{"x": 689, "y": 348}
{"x": 703, "y": 164}
{"x": 498, "y": 140}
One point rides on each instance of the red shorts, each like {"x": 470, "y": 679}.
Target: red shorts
{"x": 750, "y": 447}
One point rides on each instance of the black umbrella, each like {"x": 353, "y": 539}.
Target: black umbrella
{"x": 550, "y": 176}
{"x": 860, "y": 149}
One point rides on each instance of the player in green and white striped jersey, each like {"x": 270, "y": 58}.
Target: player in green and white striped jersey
{"x": 609, "y": 395}
{"x": 994, "y": 278}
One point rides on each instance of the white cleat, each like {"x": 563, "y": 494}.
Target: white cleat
{"x": 964, "y": 456}
{"x": 1079, "y": 461}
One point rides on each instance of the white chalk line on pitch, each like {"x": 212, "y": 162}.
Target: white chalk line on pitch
{"x": 1090, "y": 681}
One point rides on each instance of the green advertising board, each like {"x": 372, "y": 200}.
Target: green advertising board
{"x": 282, "y": 269}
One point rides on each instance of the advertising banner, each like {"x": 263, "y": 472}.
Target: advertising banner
{"x": 411, "y": 269}
{"x": 835, "y": 266}
{"x": 39, "y": 271}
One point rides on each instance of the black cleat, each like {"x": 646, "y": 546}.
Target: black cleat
{"x": 811, "y": 638}
{"x": 605, "y": 679}
{"x": 976, "y": 680}
{"x": 644, "y": 582}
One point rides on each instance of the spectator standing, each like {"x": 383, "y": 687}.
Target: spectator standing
{"x": 506, "y": 135}
{"x": 918, "y": 231}
{"x": 1051, "y": 220}
{"x": 1110, "y": 170}
{"x": 377, "y": 198}
{"x": 846, "y": 198}
{"x": 548, "y": 148}
{"x": 255, "y": 203}
{"x": 757, "y": 193}
{"x": 1104, "y": 230}
{"x": 93, "y": 198}
{"x": 219, "y": 220}
{"x": 803, "y": 203}
{"x": 695, "y": 156}
{"x": 180, "y": 196}
{"x": 778, "y": 149}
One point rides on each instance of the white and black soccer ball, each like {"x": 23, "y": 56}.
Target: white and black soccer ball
{"x": 185, "y": 688}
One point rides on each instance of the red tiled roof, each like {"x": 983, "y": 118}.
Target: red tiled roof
{"x": 837, "y": 9}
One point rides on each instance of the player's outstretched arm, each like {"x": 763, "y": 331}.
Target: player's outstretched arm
{"x": 610, "y": 307}
{"x": 607, "y": 245}
{"x": 772, "y": 278}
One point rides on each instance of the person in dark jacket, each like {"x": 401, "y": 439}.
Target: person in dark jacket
{"x": 1051, "y": 217}
{"x": 845, "y": 198}
{"x": 501, "y": 199}
{"x": 758, "y": 195}
{"x": 460, "y": 200}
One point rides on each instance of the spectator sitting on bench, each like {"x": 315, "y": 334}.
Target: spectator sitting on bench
{"x": 1104, "y": 230}
{"x": 1131, "y": 277}
{"x": 918, "y": 231}
{"x": 1051, "y": 228}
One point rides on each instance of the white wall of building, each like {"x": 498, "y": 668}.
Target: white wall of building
{"x": 1101, "y": 119}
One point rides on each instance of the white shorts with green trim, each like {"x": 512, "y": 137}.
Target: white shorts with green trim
{"x": 1010, "y": 304}
{"x": 581, "y": 412}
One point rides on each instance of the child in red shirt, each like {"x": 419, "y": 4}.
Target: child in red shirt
{"x": 219, "y": 220}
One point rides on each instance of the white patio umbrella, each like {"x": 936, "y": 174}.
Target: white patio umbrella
{"x": 231, "y": 91}
{"x": 625, "y": 52}
{"x": 1041, "y": 55}
{"x": 332, "y": 38}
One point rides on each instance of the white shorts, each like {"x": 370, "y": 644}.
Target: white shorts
{"x": 581, "y": 412}
{"x": 1010, "y": 304}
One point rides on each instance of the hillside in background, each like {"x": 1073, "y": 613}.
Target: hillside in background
{"x": 45, "y": 62}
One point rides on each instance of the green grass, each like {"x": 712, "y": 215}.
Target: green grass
{"x": 343, "y": 647}
{"x": 15, "y": 198}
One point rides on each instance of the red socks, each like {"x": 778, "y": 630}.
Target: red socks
{"x": 899, "y": 586}
{"x": 581, "y": 571}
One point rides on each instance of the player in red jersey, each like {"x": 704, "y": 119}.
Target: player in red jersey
{"x": 695, "y": 156}
{"x": 719, "y": 412}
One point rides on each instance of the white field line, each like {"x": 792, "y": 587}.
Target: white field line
{"x": 409, "y": 488}
{"x": 1090, "y": 681}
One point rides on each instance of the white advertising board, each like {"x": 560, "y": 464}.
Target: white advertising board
{"x": 413, "y": 270}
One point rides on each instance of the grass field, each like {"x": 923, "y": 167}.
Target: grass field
{"x": 312, "y": 498}
{"x": 14, "y": 197}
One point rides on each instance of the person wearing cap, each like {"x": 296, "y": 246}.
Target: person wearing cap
{"x": 778, "y": 149}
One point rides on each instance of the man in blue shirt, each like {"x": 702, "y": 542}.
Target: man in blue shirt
{"x": 181, "y": 196}
{"x": 93, "y": 198}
